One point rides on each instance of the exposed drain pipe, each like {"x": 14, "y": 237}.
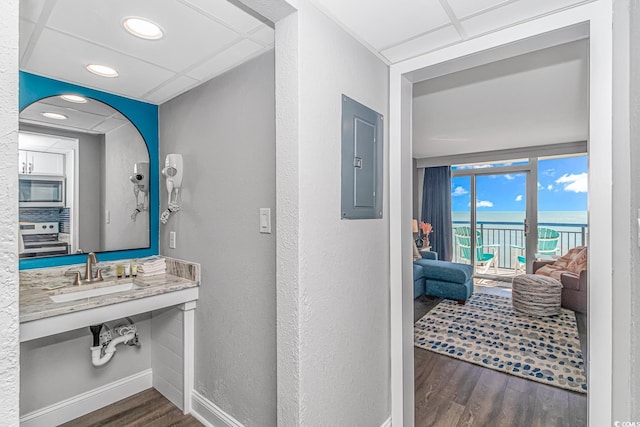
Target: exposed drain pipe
{"x": 101, "y": 354}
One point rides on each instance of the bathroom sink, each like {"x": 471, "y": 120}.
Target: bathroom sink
{"x": 103, "y": 289}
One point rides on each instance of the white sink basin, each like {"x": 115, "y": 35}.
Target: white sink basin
{"x": 95, "y": 292}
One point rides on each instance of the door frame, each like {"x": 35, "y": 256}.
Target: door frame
{"x": 547, "y": 31}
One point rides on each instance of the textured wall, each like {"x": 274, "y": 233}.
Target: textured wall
{"x": 9, "y": 348}
{"x": 339, "y": 304}
{"x": 634, "y": 182}
{"x": 225, "y": 131}
{"x": 123, "y": 148}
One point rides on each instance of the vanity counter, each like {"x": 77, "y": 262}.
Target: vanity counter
{"x": 41, "y": 316}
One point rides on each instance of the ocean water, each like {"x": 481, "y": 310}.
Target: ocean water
{"x": 553, "y": 217}
{"x": 510, "y": 231}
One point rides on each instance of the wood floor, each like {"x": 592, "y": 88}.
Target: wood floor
{"x": 451, "y": 393}
{"x": 148, "y": 408}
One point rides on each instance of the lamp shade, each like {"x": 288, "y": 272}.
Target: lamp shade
{"x": 415, "y": 226}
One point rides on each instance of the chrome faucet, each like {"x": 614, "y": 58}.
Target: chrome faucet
{"x": 89, "y": 277}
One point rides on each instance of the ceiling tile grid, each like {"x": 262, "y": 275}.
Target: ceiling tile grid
{"x": 403, "y": 29}
{"x": 202, "y": 38}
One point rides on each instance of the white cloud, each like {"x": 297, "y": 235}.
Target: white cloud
{"x": 540, "y": 186}
{"x": 484, "y": 204}
{"x": 576, "y": 183}
{"x": 509, "y": 177}
{"x": 475, "y": 166}
{"x": 549, "y": 172}
{"x": 519, "y": 198}
{"x": 550, "y": 187}
{"x": 459, "y": 191}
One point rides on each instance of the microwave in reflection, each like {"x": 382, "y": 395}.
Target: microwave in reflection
{"x": 41, "y": 191}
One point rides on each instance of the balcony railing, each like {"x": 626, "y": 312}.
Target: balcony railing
{"x": 506, "y": 234}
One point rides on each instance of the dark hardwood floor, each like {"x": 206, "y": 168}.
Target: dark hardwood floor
{"x": 451, "y": 393}
{"x": 147, "y": 408}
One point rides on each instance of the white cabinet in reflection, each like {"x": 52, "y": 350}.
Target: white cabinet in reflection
{"x": 40, "y": 163}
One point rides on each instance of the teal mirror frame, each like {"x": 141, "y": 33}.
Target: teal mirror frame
{"x": 144, "y": 117}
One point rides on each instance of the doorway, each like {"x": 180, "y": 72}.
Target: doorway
{"x": 591, "y": 20}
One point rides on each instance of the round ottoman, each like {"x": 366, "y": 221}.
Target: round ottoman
{"x": 536, "y": 295}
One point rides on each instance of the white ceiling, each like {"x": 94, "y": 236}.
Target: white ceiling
{"x": 203, "y": 38}
{"x": 535, "y": 99}
{"x": 91, "y": 117}
{"x": 402, "y": 29}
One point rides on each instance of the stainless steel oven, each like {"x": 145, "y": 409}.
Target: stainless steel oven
{"x": 40, "y": 239}
{"x": 38, "y": 191}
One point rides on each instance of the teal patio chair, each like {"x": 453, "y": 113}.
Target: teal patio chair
{"x": 483, "y": 259}
{"x": 548, "y": 240}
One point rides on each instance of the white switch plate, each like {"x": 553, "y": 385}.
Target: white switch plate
{"x": 172, "y": 240}
{"x": 107, "y": 216}
{"x": 265, "y": 220}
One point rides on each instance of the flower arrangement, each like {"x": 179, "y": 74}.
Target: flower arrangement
{"x": 426, "y": 228}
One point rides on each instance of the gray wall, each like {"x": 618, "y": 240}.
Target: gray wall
{"x": 632, "y": 182}
{"x": 59, "y": 367}
{"x": 225, "y": 131}
{"x": 9, "y": 349}
{"x": 123, "y": 147}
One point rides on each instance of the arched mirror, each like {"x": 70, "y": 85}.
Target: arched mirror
{"x": 84, "y": 179}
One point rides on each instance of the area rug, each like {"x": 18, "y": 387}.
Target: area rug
{"x": 487, "y": 332}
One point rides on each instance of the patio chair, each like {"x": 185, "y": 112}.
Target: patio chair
{"x": 548, "y": 240}
{"x": 483, "y": 259}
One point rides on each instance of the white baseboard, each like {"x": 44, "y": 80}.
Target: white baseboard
{"x": 387, "y": 423}
{"x": 82, "y": 404}
{"x": 209, "y": 414}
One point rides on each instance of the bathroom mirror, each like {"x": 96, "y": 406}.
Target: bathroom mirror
{"x": 84, "y": 179}
{"x": 88, "y": 171}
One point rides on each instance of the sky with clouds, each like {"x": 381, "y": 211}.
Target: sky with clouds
{"x": 562, "y": 186}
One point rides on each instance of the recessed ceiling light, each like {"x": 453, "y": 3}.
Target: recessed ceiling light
{"x": 74, "y": 98}
{"x": 56, "y": 116}
{"x": 102, "y": 70}
{"x": 142, "y": 28}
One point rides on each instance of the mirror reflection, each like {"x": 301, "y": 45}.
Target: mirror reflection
{"x": 84, "y": 179}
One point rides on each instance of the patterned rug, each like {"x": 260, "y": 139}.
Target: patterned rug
{"x": 486, "y": 331}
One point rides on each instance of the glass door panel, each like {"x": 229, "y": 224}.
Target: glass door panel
{"x": 461, "y": 217}
{"x": 501, "y": 224}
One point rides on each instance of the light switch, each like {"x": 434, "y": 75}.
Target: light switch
{"x": 265, "y": 220}
{"x": 107, "y": 216}
{"x": 172, "y": 240}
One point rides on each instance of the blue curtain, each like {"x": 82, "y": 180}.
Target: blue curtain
{"x": 436, "y": 209}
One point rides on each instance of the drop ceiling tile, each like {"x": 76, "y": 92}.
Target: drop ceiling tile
{"x": 231, "y": 57}
{"x": 63, "y": 57}
{"x": 31, "y": 9}
{"x": 26, "y": 31}
{"x": 92, "y": 106}
{"x": 171, "y": 89}
{"x": 264, "y": 35}
{"x": 384, "y": 23}
{"x": 76, "y": 119}
{"x": 189, "y": 35}
{"x": 232, "y": 15}
{"x": 511, "y": 14}
{"x": 464, "y": 8}
{"x": 109, "y": 124}
{"x": 423, "y": 44}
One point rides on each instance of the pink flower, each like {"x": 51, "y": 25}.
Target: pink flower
{"x": 426, "y": 227}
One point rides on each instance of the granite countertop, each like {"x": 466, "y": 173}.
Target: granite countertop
{"x": 37, "y": 285}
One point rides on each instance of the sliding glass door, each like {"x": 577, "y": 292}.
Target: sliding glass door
{"x": 497, "y": 233}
